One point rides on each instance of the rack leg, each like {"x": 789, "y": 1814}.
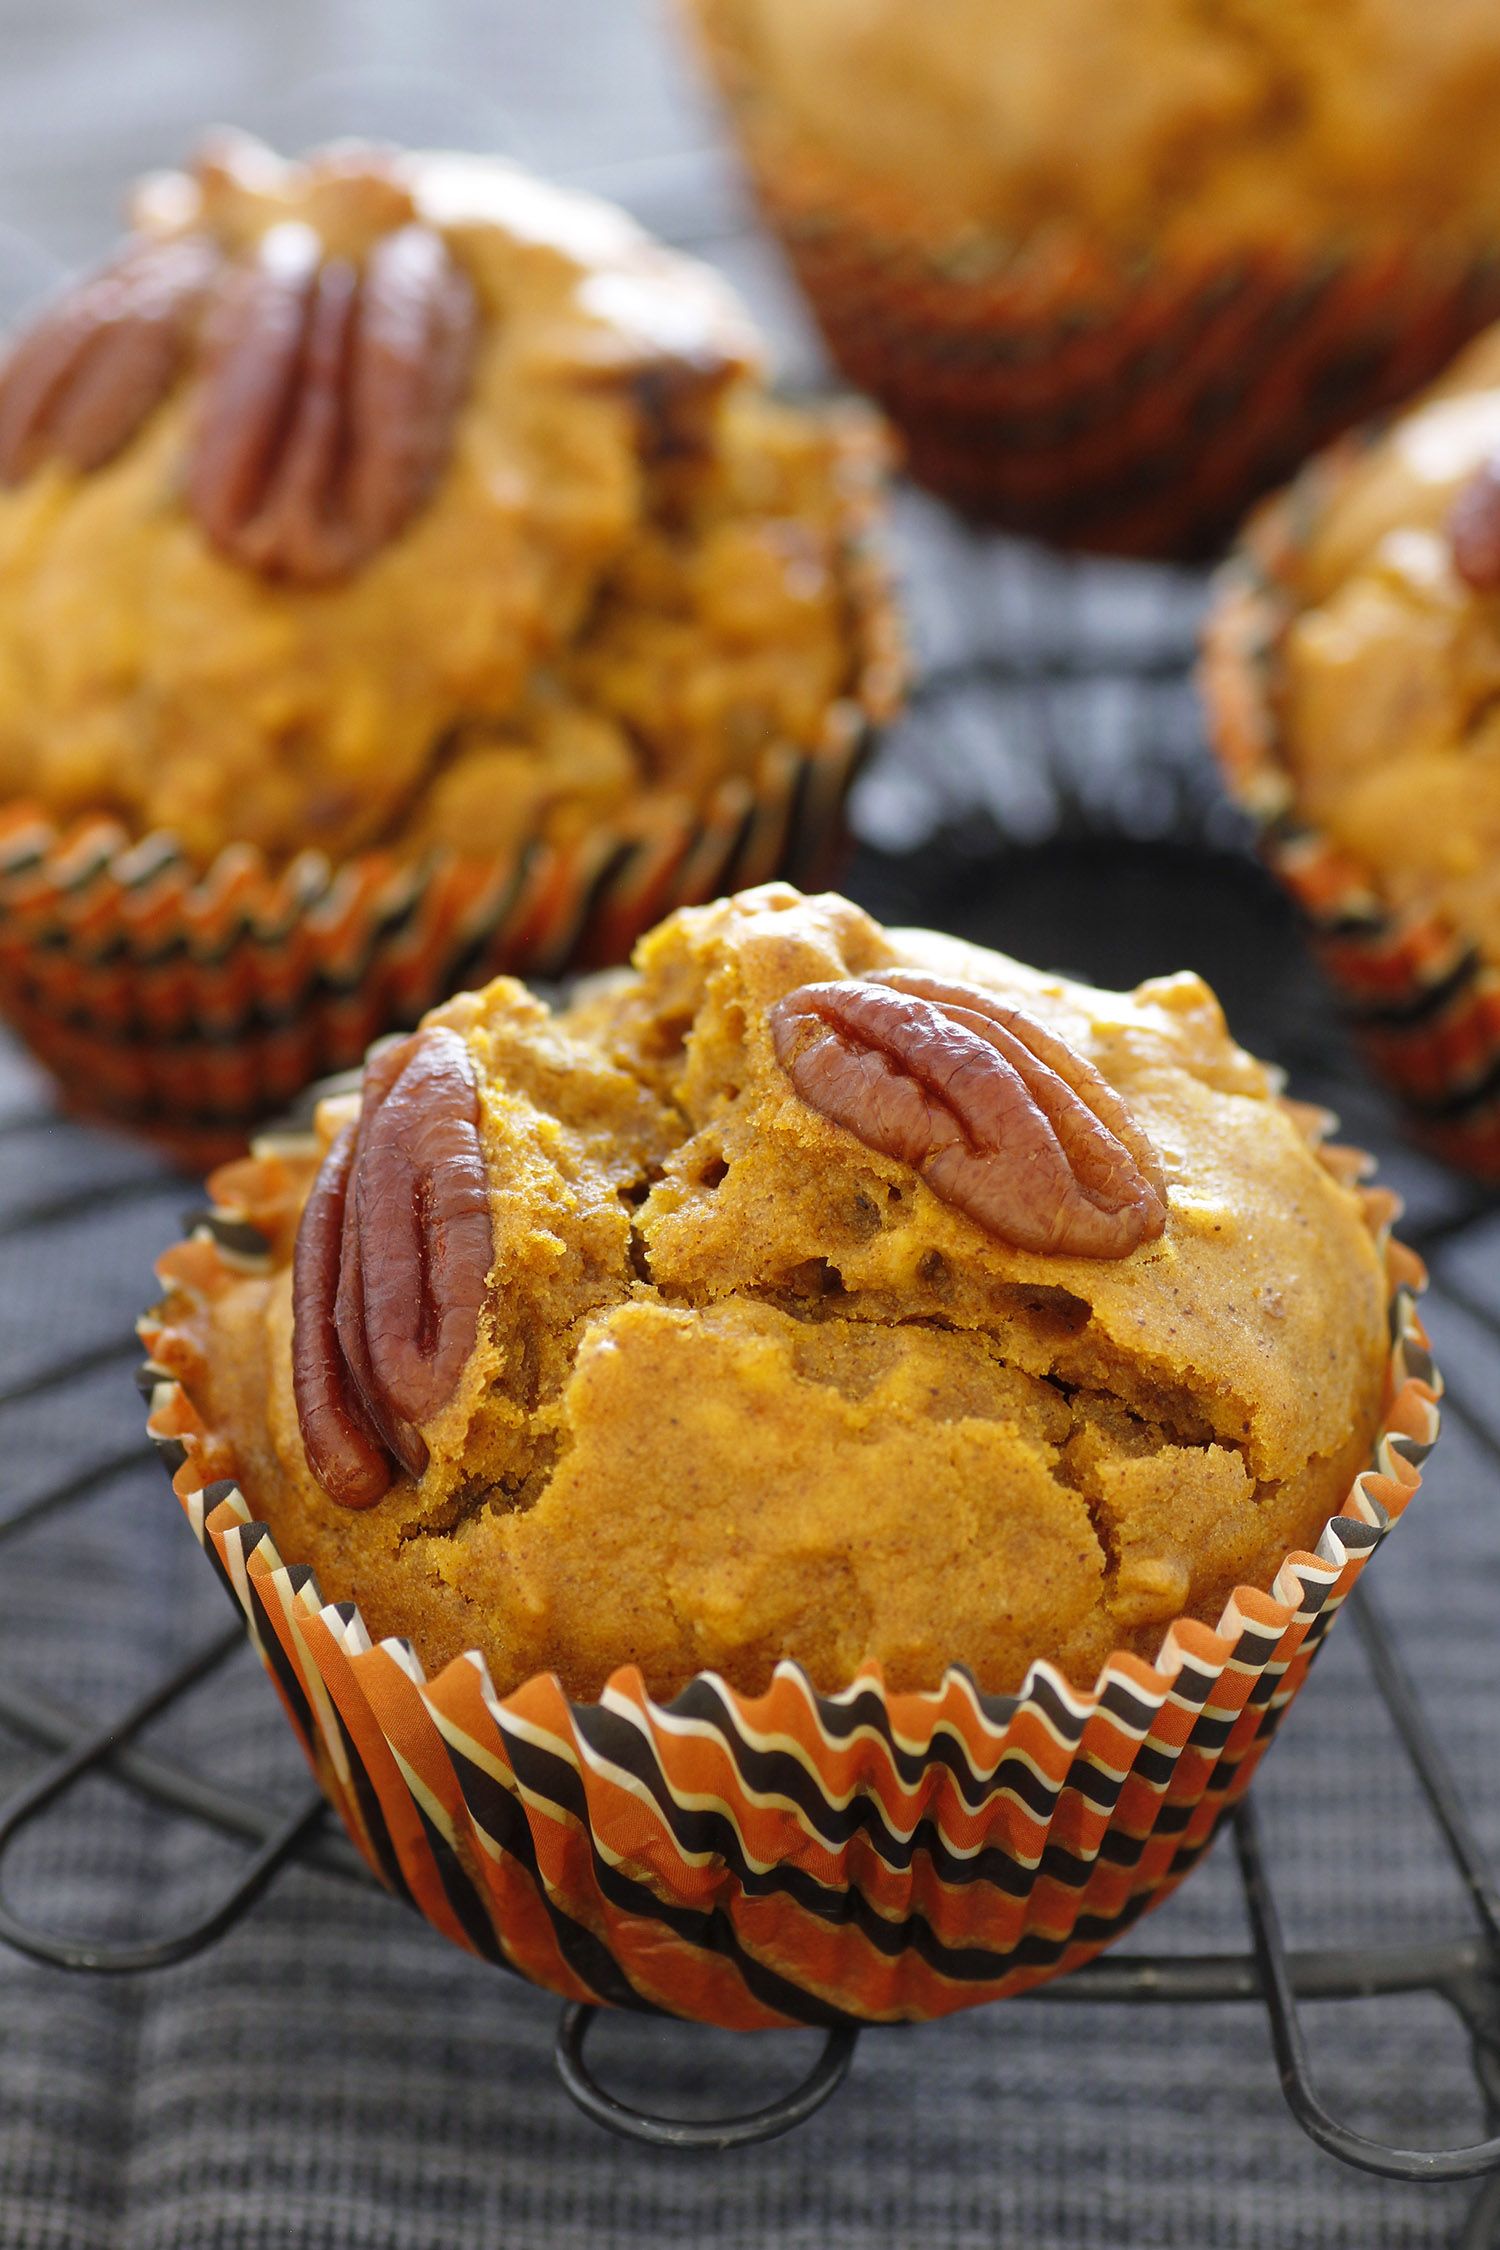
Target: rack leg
{"x": 821, "y": 2083}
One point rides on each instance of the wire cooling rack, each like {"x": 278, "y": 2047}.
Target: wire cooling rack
{"x": 1463, "y": 1972}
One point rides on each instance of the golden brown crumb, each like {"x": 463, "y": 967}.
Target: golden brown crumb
{"x": 630, "y": 579}
{"x": 747, "y": 1389}
{"x": 1155, "y": 125}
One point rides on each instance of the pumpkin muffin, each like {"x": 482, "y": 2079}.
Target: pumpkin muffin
{"x": 809, "y": 1290}
{"x": 1353, "y": 663}
{"x": 1113, "y": 266}
{"x": 405, "y": 573}
{"x": 1390, "y": 663}
{"x": 401, "y": 498}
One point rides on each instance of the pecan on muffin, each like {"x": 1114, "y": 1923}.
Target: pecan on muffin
{"x": 1115, "y": 266}
{"x": 402, "y": 566}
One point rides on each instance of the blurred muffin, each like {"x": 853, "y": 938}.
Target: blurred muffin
{"x": 400, "y": 505}
{"x": 731, "y": 1357}
{"x": 1353, "y": 663}
{"x": 1113, "y": 268}
{"x": 402, "y": 499}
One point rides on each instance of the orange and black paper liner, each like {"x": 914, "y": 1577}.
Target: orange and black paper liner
{"x": 792, "y": 1857}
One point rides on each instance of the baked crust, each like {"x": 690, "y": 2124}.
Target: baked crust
{"x": 746, "y": 1388}
{"x": 1147, "y": 125}
{"x": 623, "y": 574}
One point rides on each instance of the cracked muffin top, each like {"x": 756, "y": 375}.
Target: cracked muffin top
{"x": 1387, "y": 668}
{"x": 1151, "y": 122}
{"x": 401, "y": 500}
{"x": 808, "y": 1290}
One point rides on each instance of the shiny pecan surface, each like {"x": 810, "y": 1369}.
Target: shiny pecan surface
{"x": 392, "y": 1260}
{"x": 79, "y": 383}
{"x": 396, "y": 1434}
{"x": 330, "y": 399}
{"x": 343, "y": 1448}
{"x": 1001, "y": 1117}
{"x": 1474, "y": 529}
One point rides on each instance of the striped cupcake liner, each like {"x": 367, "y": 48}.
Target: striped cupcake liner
{"x": 786, "y": 1858}
{"x": 190, "y": 1004}
{"x": 1423, "y": 1000}
{"x": 1129, "y": 406}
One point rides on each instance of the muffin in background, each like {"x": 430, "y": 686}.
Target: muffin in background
{"x": 1352, "y": 664}
{"x": 1115, "y": 268}
{"x": 402, "y": 565}
{"x": 966, "y": 1394}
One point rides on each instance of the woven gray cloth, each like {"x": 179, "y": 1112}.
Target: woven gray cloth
{"x": 332, "y": 2075}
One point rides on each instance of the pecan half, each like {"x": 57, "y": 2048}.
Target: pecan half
{"x": 330, "y": 399}
{"x": 1474, "y": 529}
{"x": 343, "y": 1450}
{"x": 1000, "y": 1116}
{"x": 83, "y": 378}
{"x": 408, "y": 1445}
{"x": 424, "y": 1222}
{"x": 392, "y": 1262}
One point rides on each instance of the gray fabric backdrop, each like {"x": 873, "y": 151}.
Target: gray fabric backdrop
{"x": 332, "y": 2076}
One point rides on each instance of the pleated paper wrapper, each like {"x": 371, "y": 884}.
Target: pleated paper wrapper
{"x": 192, "y": 1004}
{"x": 785, "y": 1858}
{"x": 1057, "y": 388}
{"x": 1420, "y": 994}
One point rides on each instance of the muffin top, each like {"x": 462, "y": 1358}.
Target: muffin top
{"x": 1389, "y": 661}
{"x": 1143, "y": 119}
{"x": 401, "y": 499}
{"x": 808, "y": 1290}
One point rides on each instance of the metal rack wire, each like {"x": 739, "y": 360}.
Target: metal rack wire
{"x": 1465, "y": 1973}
